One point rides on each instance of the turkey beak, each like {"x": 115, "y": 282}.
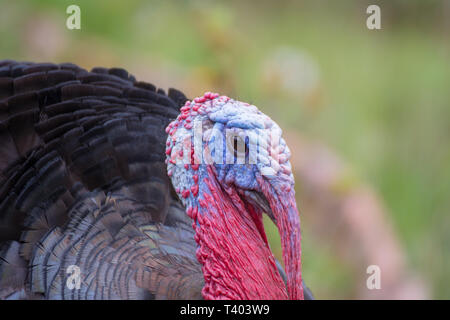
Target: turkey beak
{"x": 259, "y": 200}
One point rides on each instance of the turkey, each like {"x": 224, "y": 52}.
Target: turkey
{"x": 107, "y": 175}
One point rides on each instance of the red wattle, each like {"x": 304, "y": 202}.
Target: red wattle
{"x": 236, "y": 260}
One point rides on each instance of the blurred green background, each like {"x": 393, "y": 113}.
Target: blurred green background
{"x": 379, "y": 98}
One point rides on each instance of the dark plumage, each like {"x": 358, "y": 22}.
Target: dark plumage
{"x": 83, "y": 182}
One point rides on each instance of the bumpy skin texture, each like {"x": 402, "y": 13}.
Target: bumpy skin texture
{"x": 83, "y": 182}
{"x": 225, "y": 196}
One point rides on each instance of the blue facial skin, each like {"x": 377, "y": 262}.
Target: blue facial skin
{"x": 240, "y": 175}
{"x": 252, "y": 128}
{"x": 233, "y": 116}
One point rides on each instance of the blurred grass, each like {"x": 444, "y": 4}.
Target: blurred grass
{"x": 381, "y": 99}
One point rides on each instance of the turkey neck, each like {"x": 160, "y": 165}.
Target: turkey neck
{"x": 236, "y": 260}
